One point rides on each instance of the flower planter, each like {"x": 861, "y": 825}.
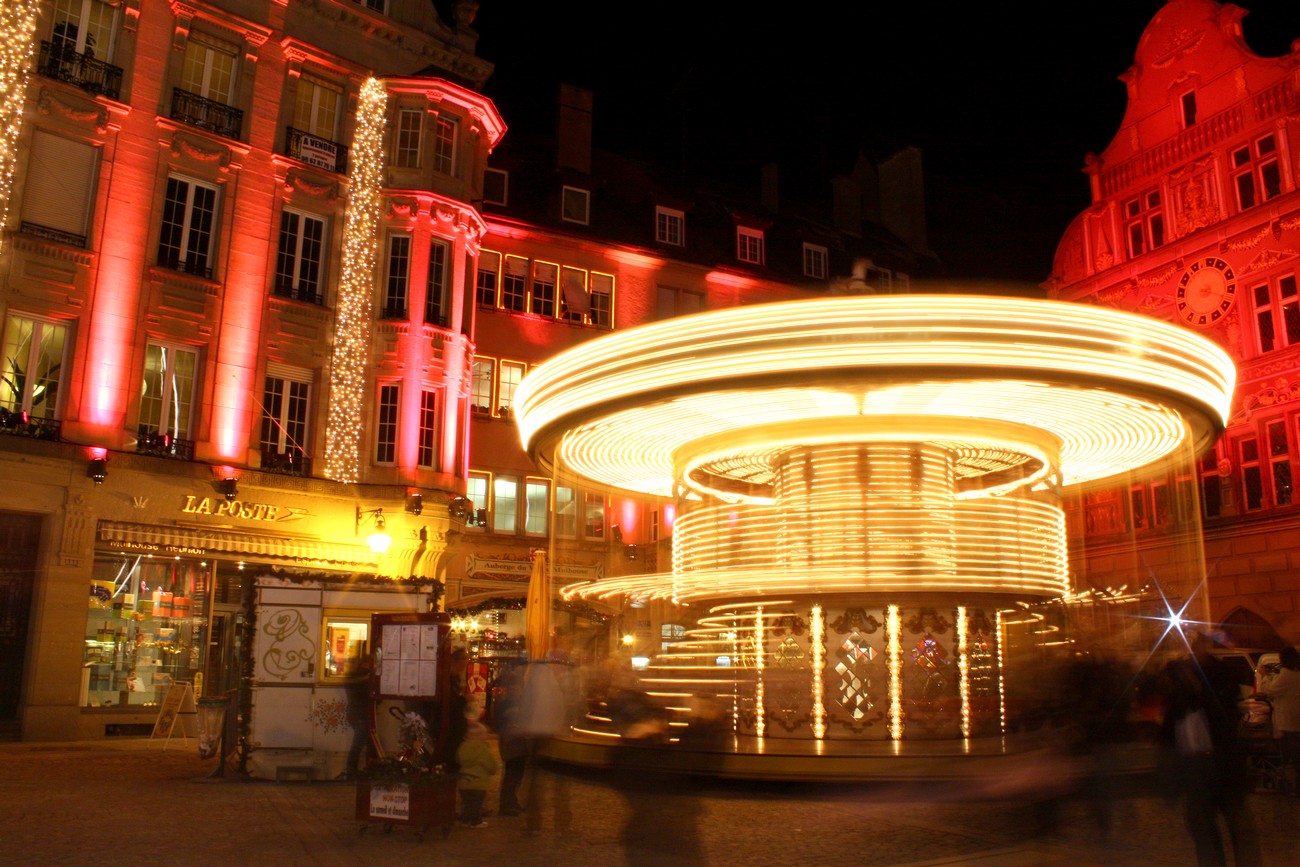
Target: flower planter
{"x": 420, "y": 806}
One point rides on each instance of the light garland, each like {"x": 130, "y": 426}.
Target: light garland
{"x": 760, "y": 725}
{"x": 963, "y": 669}
{"x": 894, "y": 660}
{"x": 346, "y": 422}
{"x": 816, "y": 637}
{"x": 1002, "y": 694}
{"x": 17, "y": 44}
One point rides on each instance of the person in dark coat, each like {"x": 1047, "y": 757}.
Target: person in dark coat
{"x": 512, "y": 739}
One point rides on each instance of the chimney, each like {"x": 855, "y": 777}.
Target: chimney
{"x": 768, "y": 185}
{"x": 573, "y": 131}
{"x": 902, "y": 197}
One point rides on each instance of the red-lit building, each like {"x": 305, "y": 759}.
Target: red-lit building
{"x": 1196, "y": 219}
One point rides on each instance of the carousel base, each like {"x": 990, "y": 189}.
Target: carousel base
{"x": 1006, "y": 760}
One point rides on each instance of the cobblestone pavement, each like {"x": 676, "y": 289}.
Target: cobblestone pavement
{"x": 127, "y": 802}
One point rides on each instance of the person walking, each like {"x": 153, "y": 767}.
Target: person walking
{"x": 512, "y": 739}
{"x": 1284, "y": 693}
{"x": 478, "y": 765}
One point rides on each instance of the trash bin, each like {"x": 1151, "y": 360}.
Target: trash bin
{"x": 212, "y": 724}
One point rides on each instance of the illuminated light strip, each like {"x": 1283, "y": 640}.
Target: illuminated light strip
{"x": 894, "y": 659}
{"x": 759, "y": 706}
{"x": 17, "y": 46}
{"x": 963, "y": 670}
{"x": 816, "y": 637}
{"x": 353, "y": 322}
{"x": 1002, "y": 694}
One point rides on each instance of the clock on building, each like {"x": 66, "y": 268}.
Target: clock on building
{"x": 1206, "y": 291}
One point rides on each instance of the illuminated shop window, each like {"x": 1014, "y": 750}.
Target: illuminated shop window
{"x": 1144, "y": 223}
{"x": 435, "y": 299}
{"x": 512, "y": 373}
{"x": 299, "y": 256}
{"x": 386, "y": 424}
{"x": 146, "y": 628}
{"x": 189, "y": 219}
{"x": 428, "y": 448}
{"x": 670, "y": 226}
{"x": 537, "y": 499}
{"x": 514, "y": 284}
{"x": 545, "y": 279}
{"x": 566, "y": 511}
{"x": 167, "y": 392}
{"x": 406, "y": 138}
{"x": 59, "y": 188}
{"x": 488, "y": 278}
{"x": 575, "y": 205}
{"x": 344, "y": 646}
{"x": 34, "y": 354}
{"x": 505, "y": 505}
{"x": 814, "y": 261}
{"x": 1277, "y": 313}
{"x": 749, "y": 245}
{"x": 396, "y": 284}
{"x": 1257, "y": 175}
{"x": 496, "y": 187}
{"x": 286, "y": 409}
{"x": 482, "y": 385}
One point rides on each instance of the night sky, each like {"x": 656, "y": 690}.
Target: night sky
{"x": 1004, "y": 99}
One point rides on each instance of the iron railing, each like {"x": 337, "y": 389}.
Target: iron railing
{"x": 206, "y": 114}
{"x": 290, "y": 463}
{"x": 63, "y": 62}
{"x": 164, "y": 445}
{"x": 298, "y": 292}
{"x": 58, "y": 236}
{"x": 22, "y": 424}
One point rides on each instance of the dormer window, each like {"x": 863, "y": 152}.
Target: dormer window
{"x": 1188, "y": 106}
{"x": 670, "y": 226}
{"x": 575, "y": 205}
{"x": 814, "y": 261}
{"x": 496, "y": 186}
{"x": 749, "y": 245}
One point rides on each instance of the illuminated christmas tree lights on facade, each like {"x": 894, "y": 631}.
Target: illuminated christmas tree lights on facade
{"x": 352, "y": 328}
{"x": 17, "y": 43}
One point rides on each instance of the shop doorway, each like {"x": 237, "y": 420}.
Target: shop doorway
{"x": 20, "y": 537}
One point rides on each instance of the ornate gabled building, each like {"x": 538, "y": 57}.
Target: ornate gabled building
{"x": 1196, "y": 219}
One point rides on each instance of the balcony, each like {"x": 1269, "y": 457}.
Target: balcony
{"x": 393, "y": 309}
{"x": 299, "y": 292}
{"x": 204, "y": 113}
{"x": 290, "y": 463}
{"x": 315, "y": 151}
{"x": 196, "y": 265}
{"x": 164, "y": 445}
{"x": 21, "y": 424}
{"x": 58, "y": 236}
{"x": 63, "y": 62}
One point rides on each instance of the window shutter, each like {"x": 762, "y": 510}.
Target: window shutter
{"x": 60, "y": 177}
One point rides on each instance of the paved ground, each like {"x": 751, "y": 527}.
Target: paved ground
{"x": 121, "y": 801}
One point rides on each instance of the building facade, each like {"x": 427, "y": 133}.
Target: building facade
{"x": 1196, "y": 219}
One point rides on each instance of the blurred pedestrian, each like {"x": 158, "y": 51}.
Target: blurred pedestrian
{"x": 512, "y": 741}
{"x": 1098, "y": 706}
{"x": 478, "y": 765}
{"x": 548, "y": 700}
{"x": 1209, "y": 759}
{"x": 1284, "y": 693}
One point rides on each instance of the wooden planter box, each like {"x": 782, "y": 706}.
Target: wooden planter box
{"x": 420, "y": 807}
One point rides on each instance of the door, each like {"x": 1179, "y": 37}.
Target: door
{"x": 20, "y": 537}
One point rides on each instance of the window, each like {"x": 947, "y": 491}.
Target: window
{"x": 316, "y": 108}
{"x": 1252, "y": 478}
{"x": 880, "y": 279}
{"x": 406, "y": 152}
{"x": 395, "y": 288}
{"x": 512, "y": 373}
{"x": 566, "y": 511}
{"x": 345, "y": 641}
{"x": 1257, "y": 175}
{"x": 1144, "y": 223}
{"x": 593, "y": 515}
{"x": 1138, "y": 512}
{"x": 814, "y": 261}
{"x": 496, "y": 187}
{"x": 749, "y": 245}
{"x": 476, "y": 490}
{"x": 1279, "y": 460}
{"x": 1211, "y": 486}
{"x": 286, "y": 404}
{"x": 544, "y": 281}
{"x": 505, "y": 505}
{"x": 59, "y": 188}
{"x": 32, "y": 365}
{"x": 575, "y": 205}
{"x": 575, "y": 301}
{"x": 380, "y": 6}
{"x": 514, "y": 285}
{"x": 428, "y": 449}
{"x": 1277, "y": 313}
{"x": 444, "y": 145}
{"x": 386, "y": 425}
{"x": 480, "y": 398}
{"x": 670, "y": 226}
{"x": 84, "y": 27}
{"x": 537, "y": 502}
{"x": 435, "y": 298}
{"x": 677, "y": 302}
{"x": 167, "y": 393}
{"x": 487, "y": 279}
{"x": 209, "y": 69}
{"x": 1188, "y": 106}
{"x": 185, "y": 242}
{"x": 602, "y": 300}
{"x": 654, "y": 525}
{"x": 299, "y": 256}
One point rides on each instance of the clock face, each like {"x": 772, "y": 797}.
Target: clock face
{"x": 1206, "y": 292}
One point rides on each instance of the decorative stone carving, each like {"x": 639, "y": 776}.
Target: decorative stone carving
{"x": 302, "y": 182}
{"x": 75, "y": 110}
{"x": 199, "y": 150}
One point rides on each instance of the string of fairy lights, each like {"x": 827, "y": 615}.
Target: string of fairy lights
{"x": 344, "y": 426}
{"x": 17, "y": 43}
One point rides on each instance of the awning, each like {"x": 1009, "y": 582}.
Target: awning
{"x": 197, "y": 541}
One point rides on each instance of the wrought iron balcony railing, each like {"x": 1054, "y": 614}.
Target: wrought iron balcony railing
{"x": 63, "y": 62}
{"x": 22, "y": 424}
{"x": 316, "y": 151}
{"x": 164, "y": 445}
{"x": 198, "y": 266}
{"x": 290, "y": 463}
{"x": 393, "y": 309}
{"x": 300, "y": 292}
{"x": 206, "y": 114}
{"x": 58, "y": 236}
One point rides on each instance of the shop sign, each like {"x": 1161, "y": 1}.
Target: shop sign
{"x": 390, "y": 802}
{"x": 154, "y": 548}
{"x": 249, "y": 511}
{"x": 523, "y": 569}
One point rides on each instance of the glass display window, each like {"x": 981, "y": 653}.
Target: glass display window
{"x": 345, "y": 647}
{"x": 146, "y": 628}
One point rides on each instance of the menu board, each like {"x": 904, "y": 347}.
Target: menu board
{"x": 407, "y": 653}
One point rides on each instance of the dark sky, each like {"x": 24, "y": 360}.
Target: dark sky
{"x": 1004, "y": 98}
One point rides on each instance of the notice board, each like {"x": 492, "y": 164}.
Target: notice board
{"x": 409, "y": 654}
